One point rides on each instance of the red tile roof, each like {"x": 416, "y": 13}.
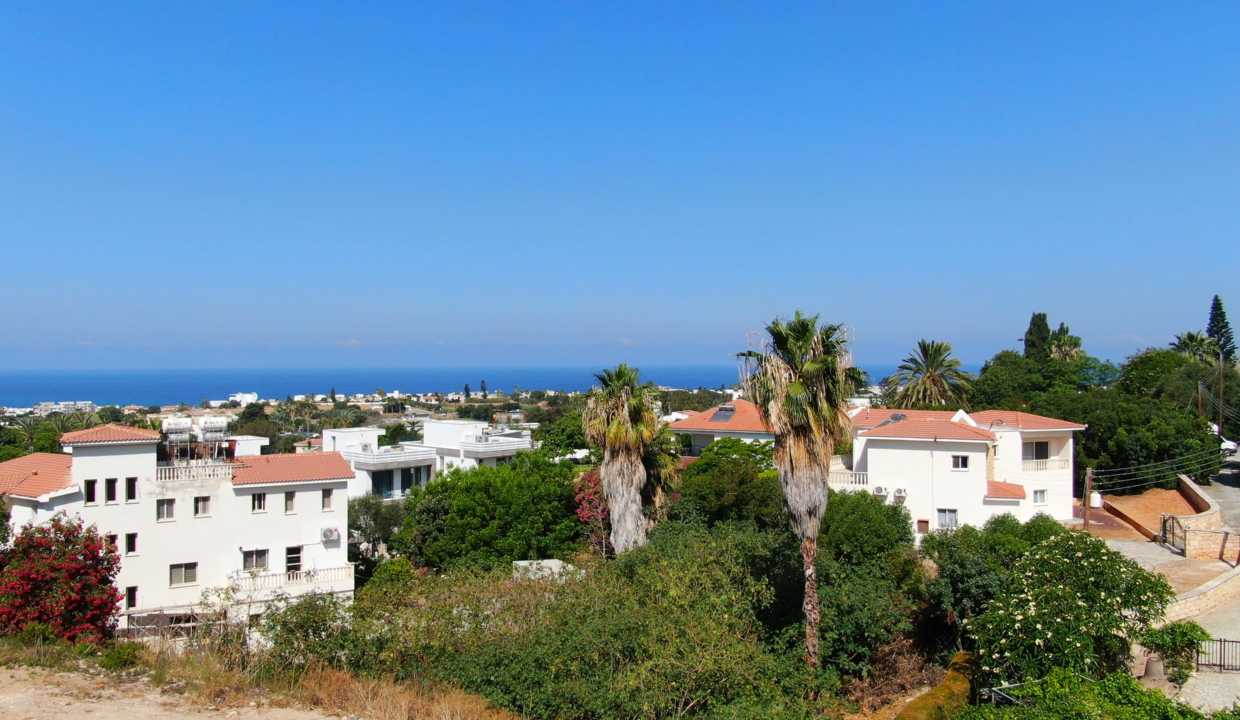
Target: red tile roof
{"x": 873, "y": 417}
{"x": 1004, "y": 491}
{"x": 1024, "y": 421}
{"x": 745, "y": 418}
{"x": 302, "y": 467}
{"x": 928, "y": 429}
{"x": 34, "y": 475}
{"x": 109, "y": 434}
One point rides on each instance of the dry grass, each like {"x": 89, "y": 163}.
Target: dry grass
{"x": 898, "y": 672}
{"x": 338, "y": 692}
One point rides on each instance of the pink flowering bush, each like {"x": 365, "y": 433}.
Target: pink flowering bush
{"x": 1070, "y": 603}
{"x": 592, "y": 510}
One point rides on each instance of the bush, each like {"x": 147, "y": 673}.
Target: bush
{"x": 309, "y": 630}
{"x": 487, "y": 517}
{"x": 59, "y": 574}
{"x": 1067, "y": 604}
{"x": 733, "y": 480}
{"x": 1176, "y": 643}
{"x": 859, "y": 528}
{"x": 121, "y": 656}
{"x": 1064, "y": 694}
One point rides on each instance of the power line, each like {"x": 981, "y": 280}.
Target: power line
{"x": 1134, "y": 469}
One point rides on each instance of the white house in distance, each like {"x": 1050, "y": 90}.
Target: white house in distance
{"x": 191, "y": 515}
{"x": 392, "y": 471}
{"x": 948, "y": 468}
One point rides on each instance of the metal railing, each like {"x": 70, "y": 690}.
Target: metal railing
{"x": 844, "y": 478}
{"x": 1050, "y": 465}
{"x": 194, "y": 470}
{"x": 1222, "y": 655}
{"x": 275, "y": 581}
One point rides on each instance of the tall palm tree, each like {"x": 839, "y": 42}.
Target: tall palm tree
{"x": 83, "y": 420}
{"x": 60, "y": 422}
{"x": 1196, "y": 345}
{"x": 620, "y": 418}
{"x": 800, "y": 381}
{"x": 28, "y": 426}
{"x": 931, "y": 376}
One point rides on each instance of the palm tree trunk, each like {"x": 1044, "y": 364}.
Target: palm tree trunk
{"x": 623, "y": 478}
{"x": 809, "y": 557}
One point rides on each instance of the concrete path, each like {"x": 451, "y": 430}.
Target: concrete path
{"x": 1183, "y": 574}
{"x": 1226, "y": 492}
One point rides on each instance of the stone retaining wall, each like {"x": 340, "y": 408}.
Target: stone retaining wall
{"x": 1222, "y": 590}
{"x": 1209, "y": 516}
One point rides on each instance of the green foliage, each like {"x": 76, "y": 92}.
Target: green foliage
{"x": 47, "y": 440}
{"x": 308, "y": 630}
{"x": 395, "y": 434}
{"x": 374, "y": 521}
{"x": 110, "y": 414}
{"x": 1176, "y": 643}
{"x": 490, "y": 516}
{"x": 481, "y": 412}
{"x": 1010, "y": 381}
{"x": 698, "y": 400}
{"x": 563, "y": 435}
{"x": 1067, "y": 603}
{"x": 286, "y": 444}
{"x": 931, "y": 376}
{"x": 1146, "y": 370}
{"x": 261, "y": 428}
{"x": 250, "y": 413}
{"x": 1038, "y": 339}
{"x": 121, "y": 656}
{"x": 861, "y": 529}
{"x": 1064, "y": 694}
{"x": 733, "y": 480}
{"x": 1219, "y": 330}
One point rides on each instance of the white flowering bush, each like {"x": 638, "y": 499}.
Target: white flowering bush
{"x": 1068, "y": 603}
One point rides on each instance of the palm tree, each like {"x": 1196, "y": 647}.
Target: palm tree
{"x": 931, "y": 376}
{"x": 620, "y": 418}
{"x": 662, "y": 463}
{"x": 60, "y": 422}
{"x": 1196, "y": 345}
{"x": 801, "y": 382}
{"x": 83, "y": 420}
{"x": 28, "y": 426}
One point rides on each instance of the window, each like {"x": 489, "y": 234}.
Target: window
{"x": 923, "y": 526}
{"x": 131, "y": 597}
{"x": 131, "y": 543}
{"x": 183, "y": 574}
{"x": 165, "y": 509}
{"x": 381, "y": 483}
{"x": 1039, "y": 450}
{"x": 254, "y": 559}
{"x": 947, "y": 518}
{"x": 89, "y": 491}
{"x": 111, "y": 540}
{"x": 1039, "y": 497}
{"x": 327, "y": 499}
{"x": 960, "y": 462}
{"x": 109, "y": 490}
{"x": 131, "y": 489}
{"x": 292, "y": 559}
{"x": 290, "y": 500}
{"x": 258, "y": 502}
{"x": 202, "y": 506}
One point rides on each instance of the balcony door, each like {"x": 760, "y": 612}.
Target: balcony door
{"x": 381, "y": 483}
{"x": 1038, "y": 450}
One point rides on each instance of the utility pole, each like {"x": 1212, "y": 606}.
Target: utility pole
{"x": 1221, "y": 373}
{"x": 1089, "y": 487}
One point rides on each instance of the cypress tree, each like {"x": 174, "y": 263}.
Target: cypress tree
{"x": 1038, "y": 339}
{"x": 1219, "y": 330}
{"x": 466, "y": 391}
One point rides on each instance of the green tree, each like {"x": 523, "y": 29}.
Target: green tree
{"x": 1038, "y": 339}
{"x": 395, "y": 434}
{"x": 262, "y": 428}
{"x": 374, "y": 521}
{"x": 931, "y": 376}
{"x": 620, "y": 419}
{"x": 483, "y": 388}
{"x": 1219, "y": 330}
{"x": 1065, "y": 345}
{"x": 1196, "y": 345}
{"x": 250, "y": 413}
{"x": 734, "y": 480}
{"x": 110, "y": 414}
{"x": 1146, "y": 370}
{"x": 467, "y": 393}
{"x": 801, "y": 385}
{"x": 563, "y": 436}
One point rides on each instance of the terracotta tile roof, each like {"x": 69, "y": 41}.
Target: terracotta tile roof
{"x": 301, "y": 467}
{"x": 1004, "y": 491}
{"x": 35, "y": 475}
{"x": 743, "y": 418}
{"x": 873, "y": 417}
{"x": 112, "y": 433}
{"x": 689, "y": 413}
{"x": 928, "y": 429}
{"x": 1024, "y": 421}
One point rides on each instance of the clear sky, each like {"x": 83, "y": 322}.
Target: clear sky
{"x": 391, "y": 184}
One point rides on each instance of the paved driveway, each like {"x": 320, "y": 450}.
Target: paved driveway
{"x": 1226, "y": 492}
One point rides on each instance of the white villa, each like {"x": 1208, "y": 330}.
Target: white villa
{"x": 193, "y": 514}
{"x": 948, "y": 468}
{"x": 392, "y": 471}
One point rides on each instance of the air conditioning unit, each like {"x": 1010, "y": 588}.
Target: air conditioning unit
{"x": 901, "y": 493}
{"x": 879, "y": 490}
{"x": 331, "y": 534}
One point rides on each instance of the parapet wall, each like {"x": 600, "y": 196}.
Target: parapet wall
{"x": 1222, "y": 590}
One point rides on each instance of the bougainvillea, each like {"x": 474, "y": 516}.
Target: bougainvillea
{"x": 1069, "y": 602}
{"x": 60, "y": 574}
{"x": 592, "y": 510}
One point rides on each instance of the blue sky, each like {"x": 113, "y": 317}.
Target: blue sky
{"x": 252, "y": 185}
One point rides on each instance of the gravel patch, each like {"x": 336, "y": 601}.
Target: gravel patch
{"x": 1208, "y": 690}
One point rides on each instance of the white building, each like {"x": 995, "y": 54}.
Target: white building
{"x": 243, "y": 399}
{"x": 259, "y": 524}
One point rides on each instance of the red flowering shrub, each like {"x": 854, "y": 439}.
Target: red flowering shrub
{"x": 60, "y": 574}
{"x": 592, "y": 510}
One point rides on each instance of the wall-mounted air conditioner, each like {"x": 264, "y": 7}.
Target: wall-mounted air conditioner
{"x": 901, "y": 493}
{"x": 879, "y": 490}
{"x": 331, "y": 534}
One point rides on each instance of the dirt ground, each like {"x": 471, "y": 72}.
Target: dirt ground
{"x": 44, "y": 695}
{"x": 1149, "y": 507}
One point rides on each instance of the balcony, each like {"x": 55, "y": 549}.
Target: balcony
{"x": 252, "y": 582}
{"x": 490, "y": 446}
{"x": 847, "y": 479}
{"x": 193, "y": 470}
{"x": 391, "y": 457}
{"x": 1051, "y": 465}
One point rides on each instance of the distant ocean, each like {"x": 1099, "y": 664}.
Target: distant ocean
{"x": 23, "y": 388}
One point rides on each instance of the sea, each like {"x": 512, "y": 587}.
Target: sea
{"x": 23, "y": 388}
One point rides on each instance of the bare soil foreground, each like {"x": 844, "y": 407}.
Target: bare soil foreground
{"x": 27, "y": 694}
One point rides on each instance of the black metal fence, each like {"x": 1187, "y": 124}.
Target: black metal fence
{"x": 1219, "y": 654}
{"x": 1173, "y": 532}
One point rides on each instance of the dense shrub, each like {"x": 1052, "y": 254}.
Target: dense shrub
{"x": 121, "y": 656}
{"x": 733, "y": 480}
{"x": 490, "y": 516}
{"x": 1069, "y": 603}
{"x": 1176, "y": 643}
{"x": 859, "y": 528}
{"x": 60, "y": 574}
{"x": 308, "y": 630}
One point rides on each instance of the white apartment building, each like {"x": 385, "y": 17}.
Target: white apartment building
{"x": 260, "y": 524}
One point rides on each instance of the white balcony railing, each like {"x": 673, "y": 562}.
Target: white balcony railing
{"x": 391, "y": 457}
{"x": 194, "y": 470}
{"x": 1051, "y": 465}
{"x": 490, "y": 446}
{"x": 844, "y": 478}
{"x": 250, "y": 581}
